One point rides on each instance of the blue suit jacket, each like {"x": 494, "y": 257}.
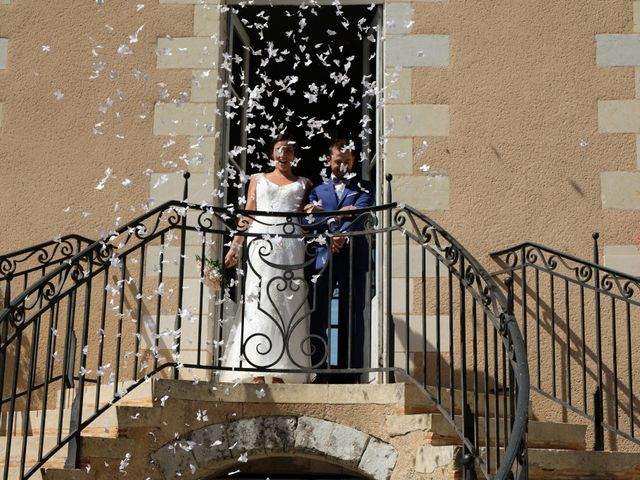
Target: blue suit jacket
{"x": 358, "y": 193}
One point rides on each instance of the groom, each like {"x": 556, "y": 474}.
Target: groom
{"x": 348, "y": 267}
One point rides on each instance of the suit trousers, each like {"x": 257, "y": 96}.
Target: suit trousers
{"x": 351, "y": 326}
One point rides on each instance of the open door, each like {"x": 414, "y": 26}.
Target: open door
{"x": 236, "y": 65}
{"x": 373, "y": 77}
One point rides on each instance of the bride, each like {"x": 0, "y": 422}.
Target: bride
{"x": 271, "y": 327}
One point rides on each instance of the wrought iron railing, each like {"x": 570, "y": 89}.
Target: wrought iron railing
{"x": 20, "y": 269}
{"x": 578, "y": 320}
{"x": 136, "y": 306}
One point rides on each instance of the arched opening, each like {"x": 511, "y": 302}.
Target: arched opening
{"x": 290, "y": 467}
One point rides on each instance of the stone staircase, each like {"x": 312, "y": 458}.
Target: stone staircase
{"x": 181, "y": 429}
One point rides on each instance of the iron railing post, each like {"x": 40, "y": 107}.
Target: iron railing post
{"x": 4, "y": 330}
{"x": 468, "y": 457}
{"x": 391, "y": 335}
{"x": 598, "y": 408}
{"x": 183, "y": 245}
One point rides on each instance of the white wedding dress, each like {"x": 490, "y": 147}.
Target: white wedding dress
{"x": 275, "y": 334}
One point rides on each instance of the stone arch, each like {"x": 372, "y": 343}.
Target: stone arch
{"x": 215, "y": 448}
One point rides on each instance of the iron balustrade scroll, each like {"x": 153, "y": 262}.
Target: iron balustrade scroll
{"x": 137, "y": 306}
{"x": 23, "y": 267}
{"x": 577, "y": 318}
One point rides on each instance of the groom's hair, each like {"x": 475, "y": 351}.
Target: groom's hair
{"x": 284, "y": 137}
{"x": 343, "y": 144}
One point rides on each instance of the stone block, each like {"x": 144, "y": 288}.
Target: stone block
{"x": 636, "y": 16}
{"x": 378, "y": 460}
{"x": 398, "y": 85}
{"x": 618, "y": 50}
{"x": 417, "y": 50}
{"x": 211, "y": 444}
{"x": 398, "y": 156}
{"x": 4, "y": 52}
{"x": 417, "y": 120}
{"x": 397, "y": 425}
{"x": 339, "y": 442}
{"x": 399, "y": 270}
{"x": 206, "y": 20}
{"x": 64, "y": 473}
{"x": 187, "y": 52}
{"x": 416, "y": 334}
{"x": 166, "y": 338}
{"x": 620, "y": 190}
{"x": 279, "y": 433}
{"x": 624, "y": 258}
{"x": 247, "y": 435}
{"x": 398, "y": 18}
{"x": 202, "y": 154}
{"x": 192, "y": 119}
{"x": 204, "y": 86}
{"x": 174, "y": 459}
{"x": 430, "y": 458}
{"x": 422, "y": 192}
{"x": 619, "y": 116}
{"x": 171, "y": 262}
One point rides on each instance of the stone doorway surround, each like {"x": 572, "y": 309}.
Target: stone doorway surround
{"x": 406, "y": 124}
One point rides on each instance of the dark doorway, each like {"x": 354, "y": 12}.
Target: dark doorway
{"x": 307, "y": 70}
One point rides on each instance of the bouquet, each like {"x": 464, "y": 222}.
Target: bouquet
{"x": 211, "y": 271}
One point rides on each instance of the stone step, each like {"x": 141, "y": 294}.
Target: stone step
{"x": 140, "y": 396}
{"x": 33, "y": 445}
{"x": 101, "y": 426}
{"x": 418, "y": 402}
{"x": 14, "y": 472}
{"x": 554, "y": 464}
{"x": 438, "y": 431}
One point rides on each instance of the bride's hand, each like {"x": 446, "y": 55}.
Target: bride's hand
{"x": 231, "y": 258}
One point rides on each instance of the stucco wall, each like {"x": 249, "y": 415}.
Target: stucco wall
{"x": 524, "y": 152}
{"x": 51, "y": 159}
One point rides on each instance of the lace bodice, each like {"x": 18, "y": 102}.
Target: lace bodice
{"x": 279, "y": 198}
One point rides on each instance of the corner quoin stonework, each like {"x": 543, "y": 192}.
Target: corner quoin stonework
{"x": 207, "y": 450}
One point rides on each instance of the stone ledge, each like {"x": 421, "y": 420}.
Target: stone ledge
{"x": 393, "y": 394}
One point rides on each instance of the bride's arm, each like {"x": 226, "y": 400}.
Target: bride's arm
{"x": 231, "y": 258}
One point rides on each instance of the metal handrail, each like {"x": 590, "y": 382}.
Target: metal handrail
{"x": 563, "y": 298}
{"x": 69, "y": 304}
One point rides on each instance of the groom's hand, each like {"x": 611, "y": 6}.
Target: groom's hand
{"x": 312, "y": 207}
{"x": 337, "y": 244}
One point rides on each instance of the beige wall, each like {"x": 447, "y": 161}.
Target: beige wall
{"x": 504, "y": 117}
{"x": 526, "y": 108}
{"x": 523, "y": 88}
{"x": 50, "y": 158}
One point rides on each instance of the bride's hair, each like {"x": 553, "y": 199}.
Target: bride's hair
{"x": 283, "y": 137}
